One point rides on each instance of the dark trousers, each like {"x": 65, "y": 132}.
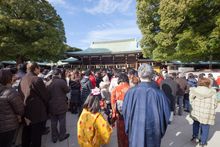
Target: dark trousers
{"x": 61, "y": 118}
{"x": 204, "y": 131}
{"x": 172, "y": 103}
{"x": 45, "y": 126}
{"x": 6, "y": 138}
{"x": 18, "y": 135}
{"x": 180, "y": 103}
{"x": 186, "y": 102}
{"x": 31, "y": 136}
{"x": 74, "y": 107}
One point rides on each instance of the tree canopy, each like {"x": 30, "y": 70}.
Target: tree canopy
{"x": 71, "y": 49}
{"x": 186, "y": 30}
{"x": 30, "y": 29}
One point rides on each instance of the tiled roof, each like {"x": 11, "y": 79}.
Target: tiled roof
{"x": 70, "y": 59}
{"x": 110, "y": 47}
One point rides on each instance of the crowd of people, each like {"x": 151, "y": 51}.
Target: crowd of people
{"x": 140, "y": 104}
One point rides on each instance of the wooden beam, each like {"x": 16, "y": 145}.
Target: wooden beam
{"x": 100, "y": 60}
{"x": 89, "y": 60}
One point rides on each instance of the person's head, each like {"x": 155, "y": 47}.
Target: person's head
{"x": 145, "y": 72}
{"x": 131, "y": 72}
{"x": 167, "y": 76}
{"x": 45, "y": 71}
{"x": 190, "y": 76}
{"x": 204, "y": 82}
{"x": 210, "y": 75}
{"x": 92, "y": 102}
{"x": 98, "y": 74}
{"x": 202, "y": 75}
{"x": 72, "y": 75}
{"x": 87, "y": 72}
{"x": 57, "y": 72}
{"x": 5, "y": 76}
{"x": 22, "y": 67}
{"x": 104, "y": 72}
{"x": 116, "y": 73}
{"x": 123, "y": 78}
{"x": 181, "y": 75}
{"x": 13, "y": 70}
{"x": 63, "y": 73}
{"x": 33, "y": 67}
{"x": 174, "y": 75}
{"x": 76, "y": 72}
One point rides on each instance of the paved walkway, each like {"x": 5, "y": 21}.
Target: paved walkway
{"x": 178, "y": 133}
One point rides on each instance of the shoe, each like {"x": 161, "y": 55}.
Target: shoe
{"x": 203, "y": 144}
{"x": 187, "y": 111}
{"x": 74, "y": 112}
{"x": 46, "y": 131}
{"x": 195, "y": 140}
{"x": 65, "y": 137}
{"x": 54, "y": 140}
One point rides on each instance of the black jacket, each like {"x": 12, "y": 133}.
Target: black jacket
{"x": 35, "y": 96}
{"x": 75, "y": 90}
{"x": 57, "y": 92}
{"x": 11, "y": 105}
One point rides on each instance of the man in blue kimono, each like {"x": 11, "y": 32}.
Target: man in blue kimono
{"x": 146, "y": 111}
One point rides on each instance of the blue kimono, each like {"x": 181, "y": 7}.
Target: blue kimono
{"x": 146, "y": 114}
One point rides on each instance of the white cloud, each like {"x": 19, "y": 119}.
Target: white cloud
{"x": 110, "y": 6}
{"x": 113, "y": 34}
{"x": 87, "y": 0}
{"x": 64, "y": 5}
{"x": 57, "y": 2}
{"x": 123, "y": 29}
{"x": 105, "y": 26}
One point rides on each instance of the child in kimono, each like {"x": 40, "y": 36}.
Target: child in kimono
{"x": 92, "y": 129}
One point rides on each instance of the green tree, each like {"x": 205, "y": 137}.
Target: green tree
{"x": 71, "y": 49}
{"x": 186, "y": 30}
{"x": 30, "y": 29}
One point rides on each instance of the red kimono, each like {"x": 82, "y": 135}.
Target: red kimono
{"x": 118, "y": 94}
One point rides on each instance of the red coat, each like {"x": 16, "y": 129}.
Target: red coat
{"x": 92, "y": 80}
{"x": 218, "y": 81}
{"x": 159, "y": 80}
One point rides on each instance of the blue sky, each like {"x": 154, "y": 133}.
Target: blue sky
{"x": 96, "y": 20}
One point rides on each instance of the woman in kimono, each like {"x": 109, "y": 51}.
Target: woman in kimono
{"x": 92, "y": 129}
{"x": 117, "y": 98}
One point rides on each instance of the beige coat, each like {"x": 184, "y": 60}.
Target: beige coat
{"x": 203, "y": 101}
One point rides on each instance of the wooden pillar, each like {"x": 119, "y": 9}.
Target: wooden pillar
{"x": 136, "y": 61}
{"x": 89, "y": 61}
{"x": 100, "y": 60}
{"x": 126, "y": 60}
{"x": 113, "y": 59}
{"x": 82, "y": 62}
{"x": 152, "y": 64}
